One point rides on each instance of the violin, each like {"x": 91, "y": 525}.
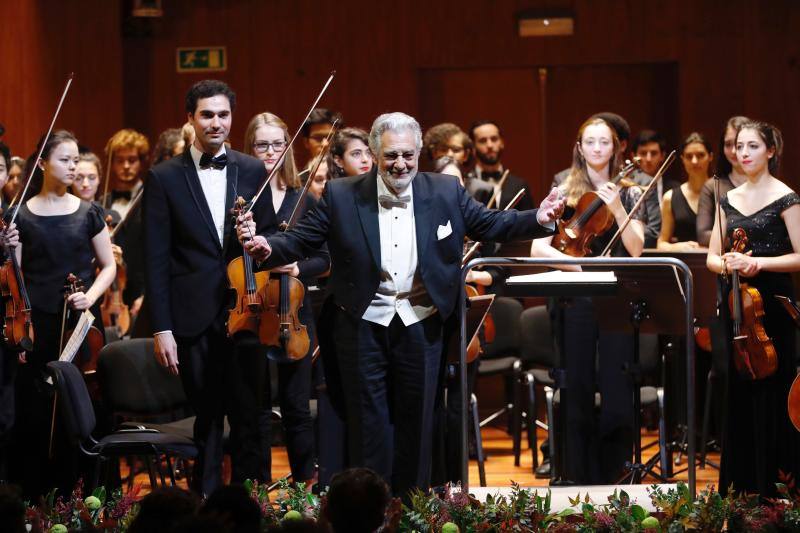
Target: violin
{"x": 592, "y": 217}
{"x": 245, "y": 315}
{"x": 86, "y": 358}
{"x": 114, "y": 312}
{"x": 754, "y": 355}
{"x": 17, "y": 328}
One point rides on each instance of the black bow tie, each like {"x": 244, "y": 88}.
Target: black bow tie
{"x": 121, "y": 195}
{"x": 489, "y": 175}
{"x": 218, "y": 163}
{"x": 387, "y": 201}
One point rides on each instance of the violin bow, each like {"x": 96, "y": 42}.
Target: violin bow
{"x": 107, "y": 177}
{"x": 279, "y": 163}
{"x": 310, "y": 178}
{"x": 21, "y": 194}
{"x": 719, "y": 225}
{"x": 664, "y": 166}
{"x": 133, "y": 204}
{"x": 496, "y": 195}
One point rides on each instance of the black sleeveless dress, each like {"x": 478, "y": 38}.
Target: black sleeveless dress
{"x": 685, "y": 219}
{"x": 759, "y": 439}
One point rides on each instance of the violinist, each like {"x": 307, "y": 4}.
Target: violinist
{"x": 596, "y": 451}
{"x": 128, "y": 152}
{"x": 316, "y": 129}
{"x": 319, "y": 179}
{"x": 189, "y": 240}
{"x": 13, "y": 183}
{"x": 349, "y": 154}
{"x": 759, "y": 439}
{"x": 389, "y": 232}
{"x": 652, "y": 203}
{"x": 8, "y": 359}
{"x": 489, "y": 147}
{"x": 266, "y": 138}
{"x": 730, "y": 174}
{"x": 447, "y": 139}
{"x": 679, "y": 207}
{"x": 169, "y": 144}
{"x": 59, "y": 234}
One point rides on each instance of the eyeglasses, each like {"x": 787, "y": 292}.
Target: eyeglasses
{"x": 261, "y": 147}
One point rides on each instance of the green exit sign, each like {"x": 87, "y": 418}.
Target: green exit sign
{"x": 202, "y": 59}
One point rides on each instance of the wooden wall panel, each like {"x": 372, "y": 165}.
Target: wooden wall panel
{"x": 43, "y": 41}
{"x": 732, "y": 57}
{"x": 728, "y": 57}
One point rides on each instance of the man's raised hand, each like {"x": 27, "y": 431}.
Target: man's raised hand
{"x": 551, "y": 208}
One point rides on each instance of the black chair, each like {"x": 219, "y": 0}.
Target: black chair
{"x": 501, "y": 357}
{"x": 75, "y": 407}
{"x": 540, "y": 356}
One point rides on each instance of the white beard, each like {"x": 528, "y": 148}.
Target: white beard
{"x": 397, "y": 185}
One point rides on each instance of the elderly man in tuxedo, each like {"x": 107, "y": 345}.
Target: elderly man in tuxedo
{"x": 395, "y": 237}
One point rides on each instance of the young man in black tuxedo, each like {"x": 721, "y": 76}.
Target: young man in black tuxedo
{"x": 189, "y": 240}
{"x": 395, "y": 238}
{"x": 489, "y": 169}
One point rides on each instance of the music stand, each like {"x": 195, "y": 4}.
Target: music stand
{"x": 594, "y": 262}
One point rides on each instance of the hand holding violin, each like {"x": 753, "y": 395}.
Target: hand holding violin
{"x": 10, "y": 237}
{"x": 609, "y": 193}
{"x": 79, "y": 301}
{"x": 256, "y": 246}
{"x": 551, "y": 208}
{"x": 747, "y": 265}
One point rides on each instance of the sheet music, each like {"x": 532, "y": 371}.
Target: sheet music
{"x": 78, "y": 334}
{"x": 560, "y": 276}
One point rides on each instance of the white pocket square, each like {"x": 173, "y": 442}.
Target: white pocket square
{"x": 443, "y": 231}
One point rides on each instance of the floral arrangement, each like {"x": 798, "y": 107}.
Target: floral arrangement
{"x": 452, "y": 511}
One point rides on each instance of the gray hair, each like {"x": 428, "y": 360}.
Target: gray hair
{"x": 393, "y": 122}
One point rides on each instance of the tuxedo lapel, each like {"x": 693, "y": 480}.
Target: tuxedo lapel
{"x": 422, "y": 212}
{"x": 231, "y": 193}
{"x": 367, "y": 207}
{"x": 193, "y": 181}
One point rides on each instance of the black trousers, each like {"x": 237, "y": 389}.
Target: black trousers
{"x": 596, "y": 446}
{"x": 389, "y": 376}
{"x": 222, "y": 379}
{"x": 8, "y": 373}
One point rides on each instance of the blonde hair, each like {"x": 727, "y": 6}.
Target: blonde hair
{"x": 128, "y": 138}
{"x": 577, "y": 182}
{"x": 288, "y": 171}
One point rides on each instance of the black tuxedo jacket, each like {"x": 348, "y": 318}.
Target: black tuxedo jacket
{"x": 186, "y": 285}
{"x": 511, "y": 187}
{"x": 347, "y": 218}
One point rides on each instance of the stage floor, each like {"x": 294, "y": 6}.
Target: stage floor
{"x": 500, "y": 470}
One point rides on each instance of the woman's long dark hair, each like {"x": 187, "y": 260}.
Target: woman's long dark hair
{"x": 56, "y": 138}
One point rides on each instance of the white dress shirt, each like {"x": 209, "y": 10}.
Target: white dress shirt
{"x": 214, "y": 183}
{"x": 398, "y": 264}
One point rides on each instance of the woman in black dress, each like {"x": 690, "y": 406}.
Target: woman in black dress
{"x": 60, "y": 234}
{"x": 730, "y": 174}
{"x": 597, "y": 449}
{"x": 679, "y": 206}
{"x": 266, "y": 138}
{"x": 759, "y": 439}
